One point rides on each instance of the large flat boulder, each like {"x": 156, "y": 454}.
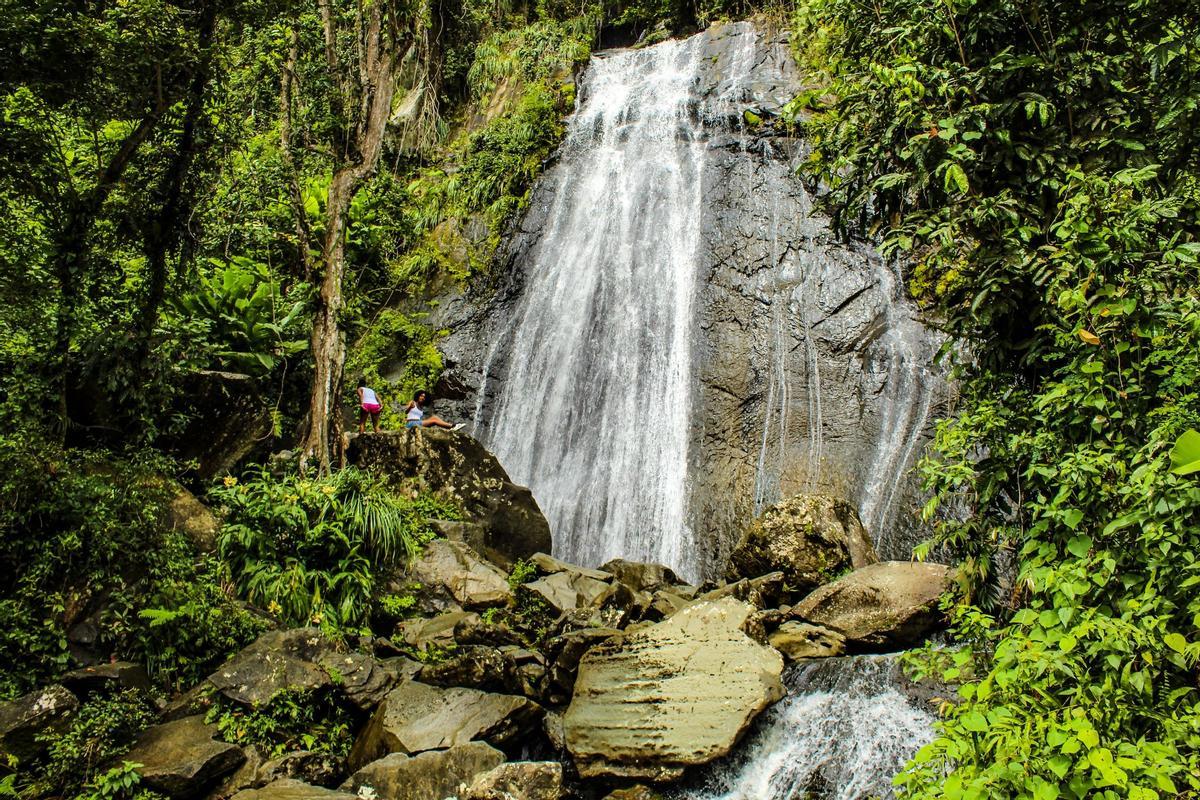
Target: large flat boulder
{"x": 25, "y": 721}
{"x": 810, "y": 538}
{"x": 454, "y": 568}
{"x": 416, "y": 717}
{"x": 183, "y": 759}
{"x": 670, "y": 695}
{"x": 884, "y": 606}
{"x": 433, "y": 775}
{"x": 566, "y": 591}
{"x": 799, "y": 640}
{"x": 457, "y": 467}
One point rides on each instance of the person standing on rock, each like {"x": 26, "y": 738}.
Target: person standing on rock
{"x": 415, "y": 415}
{"x": 368, "y": 404}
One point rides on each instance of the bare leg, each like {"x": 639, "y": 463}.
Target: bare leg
{"x": 436, "y": 422}
{"x": 362, "y": 420}
{"x": 375, "y": 421}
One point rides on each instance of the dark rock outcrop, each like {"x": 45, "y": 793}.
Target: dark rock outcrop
{"x": 227, "y": 418}
{"x": 115, "y": 675}
{"x": 456, "y": 466}
{"x": 183, "y": 759}
{"x": 24, "y": 720}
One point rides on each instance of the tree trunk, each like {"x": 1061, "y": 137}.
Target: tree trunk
{"x": 377, "y": 66}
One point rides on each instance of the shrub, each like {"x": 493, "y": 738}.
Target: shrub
{"x": 309, "y": 550}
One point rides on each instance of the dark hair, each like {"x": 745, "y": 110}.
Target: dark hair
{"x": 418, "y": 393}
{"x": 362, "y": 382}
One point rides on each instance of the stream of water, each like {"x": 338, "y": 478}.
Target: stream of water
{"x": 843, "y": 731}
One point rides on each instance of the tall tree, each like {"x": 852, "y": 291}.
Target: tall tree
{"x": 381, "y": 35}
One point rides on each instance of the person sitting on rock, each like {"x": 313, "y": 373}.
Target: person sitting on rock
{"x": 415, "y": 415}
{"x": 368, "y": 403}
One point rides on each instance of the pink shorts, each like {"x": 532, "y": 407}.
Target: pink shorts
{"x": 372, "y": 408}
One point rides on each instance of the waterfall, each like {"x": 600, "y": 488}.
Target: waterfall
{"x": 594, "y": 411}
{"x": 684, "y": 341}
{"x": 842, "y": 733}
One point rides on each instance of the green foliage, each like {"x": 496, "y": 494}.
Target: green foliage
{"x": 120, "y": 783}
{"x": 244, "y": 319}
{"x": 523, "y": 571}
{"x": 83, "y": 537}
{"x": 310, "y": 550}
{"x": 393, "y": 339}
{"x": 103, "y": 728}
{"x": 293, "y": 720}
{"x": 1037, "y": 167}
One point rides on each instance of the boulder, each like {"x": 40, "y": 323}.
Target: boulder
{"x": 548, "y": 565}
{"x": 681, "y": 692}
{"x": 797, "y": 640}
{"x": 276, "y": 661}
{"x": 764, "y": 591}
{"x": 491, "y": 669}
{"x": 811, "y": 539}
{"x": 566, "y": 591}
{"x": 663, "y": 604}
{"x": 456, "y": 466}
{"x": 113, "y": 676}
{"x": 288, "y": 789}
{"x": 433, "y": 775}
{"x": 182, "y": 759}
{"x": 24, "y": 720}
{"x": 565, "y": 652}
{"x": 456, "y": 569}
{"x": 363, "y": 680}
{"x": 318, "y": 769}
{"x": 884, "y": 606}
{"x": 527, "y": 780}
{"x": 641, "y": 576}
{"x": 192, "y": 518}
{"x": 436, "y": 631}
{"x": 416, "y": 717}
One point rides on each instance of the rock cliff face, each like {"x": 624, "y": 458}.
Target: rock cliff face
{"x": 803, "y": 369}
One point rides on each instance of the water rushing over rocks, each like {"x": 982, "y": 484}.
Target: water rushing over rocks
{"x": 682, "y": 340}
{"x": 595, "y": 408}
{"x": 844, "y": 731}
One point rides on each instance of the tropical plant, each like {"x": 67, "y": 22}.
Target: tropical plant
{"x": 309, "y": 550}
{"x": 248, "y": 321}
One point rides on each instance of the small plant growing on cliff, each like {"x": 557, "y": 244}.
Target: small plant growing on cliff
{"x": 313, "y": 547}
{"x": 522, "y": 572}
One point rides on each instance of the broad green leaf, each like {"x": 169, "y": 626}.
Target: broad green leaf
{"x": 1175, "y": 641}
{"x": 1185, "y": 455}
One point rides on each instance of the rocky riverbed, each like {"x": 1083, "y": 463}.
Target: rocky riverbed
{"x": 511, "y": 673}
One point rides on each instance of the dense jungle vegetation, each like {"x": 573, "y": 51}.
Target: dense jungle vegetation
{"x": 1037, "y": 165}
{"x": 278, "y": 189}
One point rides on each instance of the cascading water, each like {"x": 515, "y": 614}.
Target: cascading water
{"x": 683, "y": 343}
{"x": 594, "y": 411}
{"x": 842, "y": 733}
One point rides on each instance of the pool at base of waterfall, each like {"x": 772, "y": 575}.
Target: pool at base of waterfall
{"x": 844, "y": 730}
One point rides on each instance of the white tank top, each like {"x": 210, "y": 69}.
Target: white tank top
{"x": 415, "y": 413}
{"x": 369, "y": 397}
